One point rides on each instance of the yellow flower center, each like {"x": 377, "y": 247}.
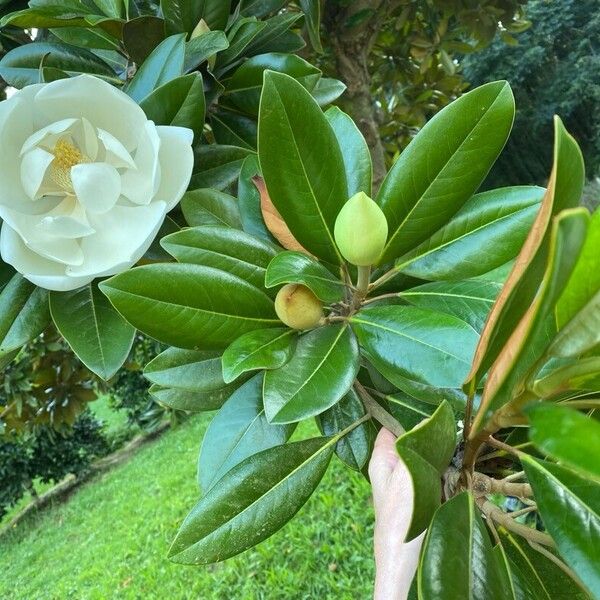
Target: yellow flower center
{"x": 66, "y": 156}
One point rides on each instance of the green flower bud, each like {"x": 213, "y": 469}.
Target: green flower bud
{"x": 361, "y": 231}
{"x": 298, "y": 307}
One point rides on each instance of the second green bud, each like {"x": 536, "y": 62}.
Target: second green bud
{"x": 361, "y": 231}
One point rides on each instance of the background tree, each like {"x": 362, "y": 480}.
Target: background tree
{"x": 554, "y": 69}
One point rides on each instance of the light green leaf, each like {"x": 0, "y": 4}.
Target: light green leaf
{"x": 210, "y": 207}
{"x": 239, "y": 430}
{"x": 295, "y": 137}
{"x": 297, "y": 267}
{"x": 328, "y": 90}
{"x": 203, "y": 47}
{"x": 498, "y": 220}
{"x": 191, "y": 401}
{"x": 96, "y": 332}
{"x": 164, "y": 64}
{"x": 319, "y": 374}
{"x": 249, "y": 200}
{"x": 223, "y": 248}
{"x": 189, "y": 306}
{"x": 355, "y": 152}
{"x": 262, "y": 349}
{"x": 254, "y": 499}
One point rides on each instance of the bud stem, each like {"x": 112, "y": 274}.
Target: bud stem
{"x": 362, "y": 286}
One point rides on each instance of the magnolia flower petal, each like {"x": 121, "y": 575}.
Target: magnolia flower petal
{"x": 140, "y": 185}
{"x": 97, "y": 186}
{"x": 34, "y": 165}
{"x": 123, "y": 235}
{"x": 88, "y": 97}
{"x": 46, "y": 137}
{"x": 176, "y": 159}
{"x": 115, "y": 153}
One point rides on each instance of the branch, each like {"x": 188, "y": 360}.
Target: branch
{"x": 484, "y": 485}
{"x": 377, "y": 411}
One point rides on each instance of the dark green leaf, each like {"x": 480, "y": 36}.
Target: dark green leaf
{"x": 260, "y": 8}
{"x": 249, "y": 200}
{"x": 355, "y": 152}
{"x": 567, "y": 436}
{"x": 96, "y": 332}
{"x": 142, "y": 35}
{"x": 243, "y": 89}
{"x": 210, "y": 207}
{"x": 240, "y": 37}
{"x": 405, "y": 342}
{"x": 354, "y": 449}
{"x": 239, "y": 430}
{"x": 86, "y": 38}
{"x": 408, "y": 411}
{"x": 312, "y": 11}
{"x": 319, "y": 374}
{"x": 261, "y": 349}
{"x": 189, "y": 306}
{"x": 234, "y": 129}
{"x": 426, "y": 463}
{"x": 217, "y": 166}
{"x": 470, "y": 300}
{"x": 254, "y": 499}
{"x": 191, "y": 401}
{"x": 182, "y": 16}
{"x": 295, "y": 137}
{"x": 570, "y": 508}
{"x": 20, "y": 67}
{"x": 457, "y": 561}
{"x": 297, "y": 267}
{"x": 179, "y": 102}
{"x": 203, "y": 47}
{"x": 437, "y": 172}
{"x": 498, "y": 220}
{"x": 24, "y": 313}
{"x": 164, "y": 64}
{"x": 276, "y": 36}
{"x": 223, "y": 248}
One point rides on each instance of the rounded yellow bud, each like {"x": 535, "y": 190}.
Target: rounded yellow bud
{"x": 361, "y": 231}
{"x": 298, "y": 307}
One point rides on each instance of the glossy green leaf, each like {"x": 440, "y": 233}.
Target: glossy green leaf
{"x": 217, "y": 166}
{"x": 164, "y": 64}
{"x": 86, "y": 38}
{"x": 457, "y": 561}
{"x": 254, "y": 499}
{"x": 564, "y": 374}
{"x": 96, "y": 332}
{"x": 319, "y": 374}
{"x": 328, "y": 90}
{"x": 240, "y": 36}
{"x": 20, "y": 66}
{"x": 191, "y": 401}
{"x": 243, "y": 88}
{"x": 199, "y": 49}
{"x": 24, "y": 313}
{"x": 564, "y": 191}
{"x": 567, "y": 436}
{"x": 179, "y": 102}
{"x": 249, "y": 200}
{"x": 530, "y": 340}
{"x": 355, "y": 152}
{"x": 498, "y": 220}
{"x": 232, "y": 128}
{"x": 426, "y": 463}
{"x": 354, "y": 449}
{"x": 584, "y": 282}
{"x": 276, "y": 36}
{"x": 438, "y": 173}
{"x": 312, "y": 11}
{"x": 534, "y": 574}
{"x": 261, "y": 349}
{"x": 142, "y": 35}
{"x": 295, "y": 138}
{"x": 210, "y": 207}
{"x": 570, "y": 509}
{"x": 470, "y": 300}
{"x": 223, "y": 248}
{"x": 408, "y": 411}
{"x": 297, "y": 267}
{"x": 56, "y": 15}
{"x": 260, "y": 8}
{"x": 189, "y": 306}
{"x": 406, "y": 342}
{"x": 182, "y": 16}
{"x": 239, "y": 430}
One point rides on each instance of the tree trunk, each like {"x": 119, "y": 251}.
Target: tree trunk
{"x": 351, "y": 47}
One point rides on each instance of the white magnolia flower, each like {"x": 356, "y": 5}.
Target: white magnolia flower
{"x": 85, "y": 180}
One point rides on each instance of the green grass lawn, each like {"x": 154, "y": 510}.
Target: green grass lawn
{"x": 109, "y": 540}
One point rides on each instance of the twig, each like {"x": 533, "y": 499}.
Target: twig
{"x": 382, "y": 297}
{"x": 484, "y": 486}
{"x": 514, "y": 476}
{"x": 362, "y": 286}
{"x": 378, "y": 412}
{"x": 524, "y": 511}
